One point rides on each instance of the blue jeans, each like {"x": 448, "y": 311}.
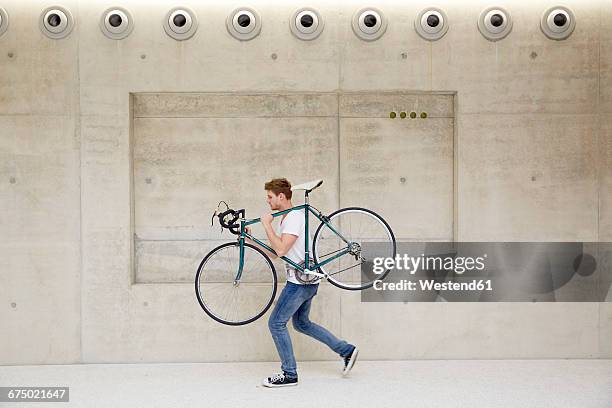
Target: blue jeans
{"x": 294, "y": 301}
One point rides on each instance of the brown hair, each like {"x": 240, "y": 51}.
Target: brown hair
{"x": 279, "y": 185}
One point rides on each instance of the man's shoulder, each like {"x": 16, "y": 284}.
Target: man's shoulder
{"x": 297, "y": 215}
{"x": 295, "y": 218}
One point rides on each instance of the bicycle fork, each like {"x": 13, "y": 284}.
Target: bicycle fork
{"x": 241, "y": 262}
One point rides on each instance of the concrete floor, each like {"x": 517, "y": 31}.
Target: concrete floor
{"x": 422, "y": 383}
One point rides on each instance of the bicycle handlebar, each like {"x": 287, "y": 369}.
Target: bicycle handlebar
{"x": 228, "y": 218}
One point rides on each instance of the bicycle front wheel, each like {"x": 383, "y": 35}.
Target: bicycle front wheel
{"x": 366, "y": 235}
{"x": 230, "y": 301}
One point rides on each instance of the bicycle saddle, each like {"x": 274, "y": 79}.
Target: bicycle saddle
{"x": 308, "y": 187}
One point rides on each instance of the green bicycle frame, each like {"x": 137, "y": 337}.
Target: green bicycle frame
{"x": 243, "y": 234}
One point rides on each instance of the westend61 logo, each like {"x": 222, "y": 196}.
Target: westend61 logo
{"x": 412, "y": 264}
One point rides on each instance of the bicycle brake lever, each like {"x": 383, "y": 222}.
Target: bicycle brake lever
{"x": 212, "y": 219}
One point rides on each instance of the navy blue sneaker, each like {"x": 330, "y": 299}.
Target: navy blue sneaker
{"x": 349, "y": 361}
{"x": 279, "y": 380}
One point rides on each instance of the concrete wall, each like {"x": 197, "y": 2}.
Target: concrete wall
{"x": 180, "y": 141}
{"x": 532, "y": 161}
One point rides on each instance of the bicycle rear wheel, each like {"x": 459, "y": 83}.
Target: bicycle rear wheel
{"x": 225, "y": 300}
{"x": 368, "y": 235}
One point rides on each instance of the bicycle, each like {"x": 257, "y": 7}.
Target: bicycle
{"x": 236, "y": 282}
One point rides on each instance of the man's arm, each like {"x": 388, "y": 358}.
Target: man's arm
{"x": 265, "y": 250}
{"x": 281, "y": 245}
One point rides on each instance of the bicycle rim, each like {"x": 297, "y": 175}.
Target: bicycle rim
{"x": 235, "y": 304}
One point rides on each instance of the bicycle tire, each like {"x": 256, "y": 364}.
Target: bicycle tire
{"x": 336, "y": 214}
{"x": 212, "y": 313}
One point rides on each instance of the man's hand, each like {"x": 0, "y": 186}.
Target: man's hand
{"x": 267, "y": 219}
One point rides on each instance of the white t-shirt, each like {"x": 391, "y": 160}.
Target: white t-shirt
{"x": 294, "y": 224}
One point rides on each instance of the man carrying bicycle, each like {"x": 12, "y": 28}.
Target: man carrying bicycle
{"x": 295, "y": 299}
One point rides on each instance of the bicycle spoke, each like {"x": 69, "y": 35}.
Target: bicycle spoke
{"x": 342, "y": 270}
